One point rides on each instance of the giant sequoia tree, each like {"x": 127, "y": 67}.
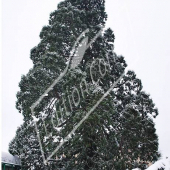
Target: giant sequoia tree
{"x": 118, "y": 134}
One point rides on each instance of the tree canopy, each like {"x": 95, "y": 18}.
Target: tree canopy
{"x": 118, "y": 134}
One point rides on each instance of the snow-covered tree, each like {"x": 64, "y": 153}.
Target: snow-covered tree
{"x": 26, "y": 146}
{"x": 119, "y": 134}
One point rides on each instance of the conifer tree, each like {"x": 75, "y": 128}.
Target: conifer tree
{"x": 119, "y": 134}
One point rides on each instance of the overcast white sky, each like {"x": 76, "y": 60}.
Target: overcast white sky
{"x": 142, "y": 37}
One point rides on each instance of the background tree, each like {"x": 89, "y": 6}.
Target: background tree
{"x": 119, "y": 134}
{"x": 26, "y": 146}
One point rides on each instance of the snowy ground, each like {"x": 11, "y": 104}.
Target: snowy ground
{"x": 162, "y": 163}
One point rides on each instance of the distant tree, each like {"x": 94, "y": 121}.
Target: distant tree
{"x": 119, "y": 134}
{"x": 26, "y": 146}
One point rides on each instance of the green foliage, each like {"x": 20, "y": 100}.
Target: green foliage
{"x": 119, "y": 134}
